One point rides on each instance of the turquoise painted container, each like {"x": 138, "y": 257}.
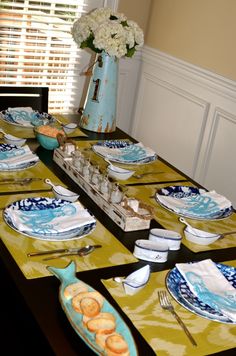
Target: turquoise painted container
{"x": 99, "y": 114}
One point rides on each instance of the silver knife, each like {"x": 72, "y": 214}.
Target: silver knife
{"x": 18, "y": 180}
{"x": 62, "y": 250}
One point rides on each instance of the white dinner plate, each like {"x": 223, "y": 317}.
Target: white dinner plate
{"x": 37, "y": 119}
{"x": 124, "y": 152}
{"x": 180, "y": 291}
{"x": 41, "y": 223}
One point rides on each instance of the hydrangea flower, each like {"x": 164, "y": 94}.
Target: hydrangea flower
{"x": 105, "y": 30}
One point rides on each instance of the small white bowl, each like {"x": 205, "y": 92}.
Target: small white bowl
{"x": 172, "y": 238}
{"x": 119, "y": 173}
{"x": 200, "y": 237}
{"x": 69, "y": 128}
{"x": 136, "y": 281}
{"x": 13, "y": 140}
{"x": 151, "y": 251}
{"x": 62, "y": 193}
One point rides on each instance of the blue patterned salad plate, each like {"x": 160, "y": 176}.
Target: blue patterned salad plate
{"x": 186, "y": 195}
{"x": 6, "y": 149}
{"x": 36, "y": 118}
{"x": 77, "y": 319}
{"x": 124, "y": 152}
{"x": 41, "y": 212}
{"x": 180, "y": 291}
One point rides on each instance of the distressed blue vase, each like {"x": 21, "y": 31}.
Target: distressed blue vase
{"x": 99, "y": 114}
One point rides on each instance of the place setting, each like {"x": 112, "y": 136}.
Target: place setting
{"x": 46, "y": 229}
{"x": 16, "y": 158}
{"x": 168, "y": 292}
{"x": 128, "y": 172}
{"x": 22, "y": 122}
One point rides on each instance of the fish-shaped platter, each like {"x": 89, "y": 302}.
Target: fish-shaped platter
{"x": 93, "y": 318}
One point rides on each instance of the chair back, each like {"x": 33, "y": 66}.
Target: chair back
{"x": 35, "y": 97}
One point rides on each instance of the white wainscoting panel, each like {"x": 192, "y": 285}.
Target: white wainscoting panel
{"x": 188, "y": 115}
{"x": 219, "y": 165}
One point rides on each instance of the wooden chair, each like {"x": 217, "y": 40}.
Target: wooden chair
{"x": 13, "y": 96}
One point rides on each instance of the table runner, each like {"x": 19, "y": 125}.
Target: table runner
{"x": 29, "y": 133}
{"x": 112, "y": 252}
{"x": 168, "y": 174}
{"x": 38, "y": 171}
{"x": 161, "y": 330}
{"x": 170, "y": 221}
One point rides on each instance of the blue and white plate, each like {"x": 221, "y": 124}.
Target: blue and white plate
{"x": 30, "y": 120}
{"x": 180, "y": 291}
{"x": 47, "y": 206}
{"x": 181, "y": 193}
{"x": 124, "y": 152}
{"x": 5, "y": 148}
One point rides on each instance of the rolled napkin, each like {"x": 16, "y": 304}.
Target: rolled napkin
{"x": 50, "y": 220}
{"x": 133, "y": 153}
{"x": 210, "y": 286}
{"x": 207, "y": 204}
{"x": 16, "y": 156}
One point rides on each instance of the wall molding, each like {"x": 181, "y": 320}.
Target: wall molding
{"x": 207, "y": 79}
{"x": 188, "y": 116}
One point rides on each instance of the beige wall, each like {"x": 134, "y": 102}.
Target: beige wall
{"x": 201, "y": 32}
{"x": 136, "y": 10}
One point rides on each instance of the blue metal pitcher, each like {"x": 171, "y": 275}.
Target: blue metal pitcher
{"x": 99, "y": 114}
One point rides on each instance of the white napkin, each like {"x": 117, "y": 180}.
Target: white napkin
{"x": 17, "y": 156}
{"x": 210, "y": 286}
{"x": 205, "y": 204}
{"x": 23, "y": 115}
{"x": 21, "y": 108}
{"x": 48, "y": 221}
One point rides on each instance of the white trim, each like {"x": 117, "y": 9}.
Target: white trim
{"x": 208, "y": 79}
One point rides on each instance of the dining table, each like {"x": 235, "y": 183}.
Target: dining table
{"x": 32, "y": 317}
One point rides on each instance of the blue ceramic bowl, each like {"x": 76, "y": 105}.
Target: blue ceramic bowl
{"x": 47, "y": 142}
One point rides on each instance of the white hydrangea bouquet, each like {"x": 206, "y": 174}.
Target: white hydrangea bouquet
{"x": 105, "y": 30}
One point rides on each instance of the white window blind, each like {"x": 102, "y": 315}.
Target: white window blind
{"x": 37, "y": 48}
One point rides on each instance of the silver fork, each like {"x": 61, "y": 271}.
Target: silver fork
{"x": 141, "y": 175}
{"x": 166, "y": 304}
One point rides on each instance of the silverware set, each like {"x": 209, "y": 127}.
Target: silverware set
{"x": 20, "y": 181}
{"x": 165, "y": 303}
{"x": 82, "y": 251}
{"x": 141, "y": 175}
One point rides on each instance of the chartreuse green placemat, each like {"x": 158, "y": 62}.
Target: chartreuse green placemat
{"x": 28, "y": 132}
{"x": 170, "y": 221}
{"x": 159, "y": 327}
{"x": 38, "y": 171}
{"x": 112, "y": 253}
{"x": 162, "y": 172}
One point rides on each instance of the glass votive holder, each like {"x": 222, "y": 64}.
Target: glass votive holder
{"x": 116, "y": 194}
{"x": 86, "y": 169}
{"x": 105, "y": 185}
{"x": 96, "y": 176}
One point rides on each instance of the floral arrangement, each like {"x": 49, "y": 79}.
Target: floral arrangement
{"x": 105, "y": 30}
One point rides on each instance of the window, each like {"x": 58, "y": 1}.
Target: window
{"x": 37, "y": 48}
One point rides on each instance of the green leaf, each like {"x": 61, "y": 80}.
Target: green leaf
{"x": 130, "y": 52}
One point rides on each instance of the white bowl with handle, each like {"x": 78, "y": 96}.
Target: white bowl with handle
{"x": 62, "y": 193}
{"x": 119, "y": 173}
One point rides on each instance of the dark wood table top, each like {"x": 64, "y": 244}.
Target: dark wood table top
{"x": 32, "y": 318}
